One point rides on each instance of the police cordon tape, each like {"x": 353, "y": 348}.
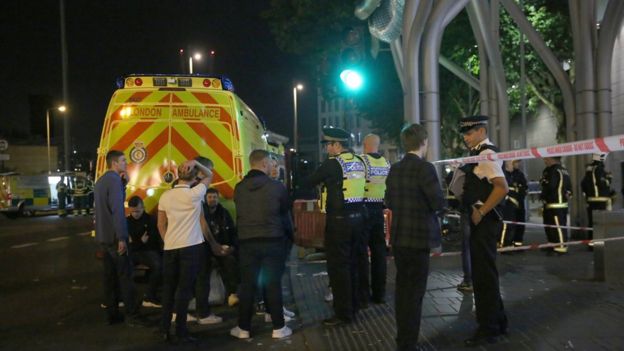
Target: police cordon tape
{"x": 583, "y": 147}
{"x": 534, "y": 246}
{"x": 527, "y": 224}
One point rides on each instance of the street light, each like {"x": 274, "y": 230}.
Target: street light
{"x": 295, "y": 137}
{"x": 197, "y": 57}
{"x": 61, "y": 108}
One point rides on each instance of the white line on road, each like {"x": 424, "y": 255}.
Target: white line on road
{"x": 23, "y": 245}
{"x": 58, "y": 239}
{"x": 84, "y": 234}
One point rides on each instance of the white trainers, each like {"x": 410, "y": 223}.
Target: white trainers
{"x": 189, "y": 318}
{"x": 212, "y": 319}
{"x": 120, "y": 304}
{"x": 268, "y": 319}
{"x": 288, "y": 313}
{"x": 281, "y": 333}
{"x": 240, "y": 333}
{"x": 329, "y": 297}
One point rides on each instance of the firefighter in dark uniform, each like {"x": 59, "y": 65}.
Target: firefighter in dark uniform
{"x": 596, "y": 186}
{"x": 484, "y": 189}
{"x": 342, "y": 177}
{"x": 81, "y": 196}
{"x": 519, "y": 187}
{"x": 513, "y": 210}
{"x": 556, "y": 190}
{"x": 377, "y": 168}
{"x": 61, "y": 190}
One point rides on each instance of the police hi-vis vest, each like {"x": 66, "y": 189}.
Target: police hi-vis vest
{"x": 353, "y": 179}
{"x": 377, "y": 170}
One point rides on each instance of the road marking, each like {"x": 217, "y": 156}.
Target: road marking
{"x": 58, "y": 239}
{"x": 84, "y": 234}
{"x": 23, "y": 245}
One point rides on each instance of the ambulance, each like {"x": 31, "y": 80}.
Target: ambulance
{"x": 24, "y": 195}
{"x": 160, "y": 121}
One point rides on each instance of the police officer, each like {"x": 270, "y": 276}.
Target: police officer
{"x": 596, "y": 186}
{"x": 343, "y": 178}
{"x": 556, "y": 189}
{"x": 61, "y": 190}
{"x": 377, "y": 168}
{"x": 512, "y": 234}
{"x": 484, "y": 189}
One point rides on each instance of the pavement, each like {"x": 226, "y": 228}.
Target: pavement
{"x": 50, "y": 293}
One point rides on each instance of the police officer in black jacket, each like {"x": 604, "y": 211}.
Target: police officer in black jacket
{"x": 556, "y": 190}
{"x": 343, "y": 178}
{"x": 484, "y": 189}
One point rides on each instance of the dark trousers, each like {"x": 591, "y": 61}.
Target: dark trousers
{"x": 343, "y": 244}
{"x": 228, "y": 269}
{"x": 488, "y": 302}
{"x": 118, "y": 279}
{"x": 153, "y": 261}
{"x": 464, "y": 223}
{"x": 202, "y": 286}
{"x": 412, "y": 269}
{"x": 373, "y": 273}
{"x": 519, "y": 216}
{"x": 556, "y": 216}
{"x": 266, "y": 255}
{"x": 591, "y": 206}
{"x": 180, "y": 271}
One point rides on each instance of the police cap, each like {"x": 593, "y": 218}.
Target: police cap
{"x": 469, "y": 122}
{"x": 335, "y": 134}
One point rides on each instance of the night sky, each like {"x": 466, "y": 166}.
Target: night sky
{"x": 107, "y": 39}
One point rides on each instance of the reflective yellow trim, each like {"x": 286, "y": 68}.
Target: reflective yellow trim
{"x": 503, "y": 234}
{"x": 513, "y": 201}
{"x": 560, "y": 187}
{"x": 557, "y": 205}
{"x": 560, "y": 248}
{"x": 598, "y": 199}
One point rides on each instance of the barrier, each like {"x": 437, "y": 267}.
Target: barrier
{"x": 583, "y": 147}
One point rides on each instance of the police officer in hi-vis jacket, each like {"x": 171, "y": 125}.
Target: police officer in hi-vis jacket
{"x": 342, "y": 177}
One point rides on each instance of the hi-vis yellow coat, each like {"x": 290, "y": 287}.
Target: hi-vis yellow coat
{"x": 161, "y": 121}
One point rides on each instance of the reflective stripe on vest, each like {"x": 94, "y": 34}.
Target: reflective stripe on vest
{"x": 377, "y": 170}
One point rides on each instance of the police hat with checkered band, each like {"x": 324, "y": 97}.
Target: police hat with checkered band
{"x": 335, "y": 134}
{"x": 470, "y": 122}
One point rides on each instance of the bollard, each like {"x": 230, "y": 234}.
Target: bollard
{"x": 609, "y": 256}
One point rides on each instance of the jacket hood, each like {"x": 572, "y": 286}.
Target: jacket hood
{"x": 255, "y": 180}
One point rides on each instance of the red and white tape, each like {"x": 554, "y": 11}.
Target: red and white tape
{"x": 583, "y": 147}
{"x": 539, "y": 225}
{"x": 534, "y": 246}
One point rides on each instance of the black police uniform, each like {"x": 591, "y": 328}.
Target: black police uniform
{"x": 556, "y": 189}
{"x": 513, "y": 209}
{"x": 343, "y": 234}
{"x": 596, "y": 186}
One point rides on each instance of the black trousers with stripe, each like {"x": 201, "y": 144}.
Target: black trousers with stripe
{"x": 556, "y": 216}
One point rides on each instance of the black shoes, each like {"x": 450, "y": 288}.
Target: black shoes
{"x": 335, "y": 321}
{"x": 176, "y": 340}
{"x": 483, "y": 338}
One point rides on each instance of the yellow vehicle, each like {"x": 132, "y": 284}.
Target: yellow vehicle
{"x": 23, "y": 194}
{"x": 160, "y": 121}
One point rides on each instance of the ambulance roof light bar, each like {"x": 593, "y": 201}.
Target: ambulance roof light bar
{"x": 184, "y": 80}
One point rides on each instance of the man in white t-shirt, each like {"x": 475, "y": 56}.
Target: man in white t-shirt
{"x": 183, "y": 230}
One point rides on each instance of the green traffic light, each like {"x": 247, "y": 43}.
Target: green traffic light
{"x": 352, "y": 79}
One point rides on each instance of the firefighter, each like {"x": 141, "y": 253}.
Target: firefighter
{"x": 596, "y": 186}
{"x": 484, "y": 188}
{"x": 377, "y": 168}
{"x": 90, "y": 194}
{"x": 81, "y": 196}
{"x": 513, "y": 209}
{"x": 342, "y": 177}
{"x": 556, "y": 190}
{"x": 61, "y": 190}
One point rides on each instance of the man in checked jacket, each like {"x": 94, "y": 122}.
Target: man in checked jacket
{"x": 414, "y": 195}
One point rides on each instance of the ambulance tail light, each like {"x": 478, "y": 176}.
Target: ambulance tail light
{"x": 138, "y": 82}
{"x": 206, "y": 83}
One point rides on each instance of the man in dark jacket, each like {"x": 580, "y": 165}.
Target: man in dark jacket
{"x": 260, "y": 206}
{"x": 145, "y": 248}
{"x": 111, "y": 233}
{"x": 414, "y": 195}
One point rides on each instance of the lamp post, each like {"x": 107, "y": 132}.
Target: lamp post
{"x": 295, "y": 137}
{"x": 197, "y": 57}
{"x": 61, "y": 109}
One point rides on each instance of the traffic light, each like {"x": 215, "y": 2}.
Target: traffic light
{"x": 352, "y": 58}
